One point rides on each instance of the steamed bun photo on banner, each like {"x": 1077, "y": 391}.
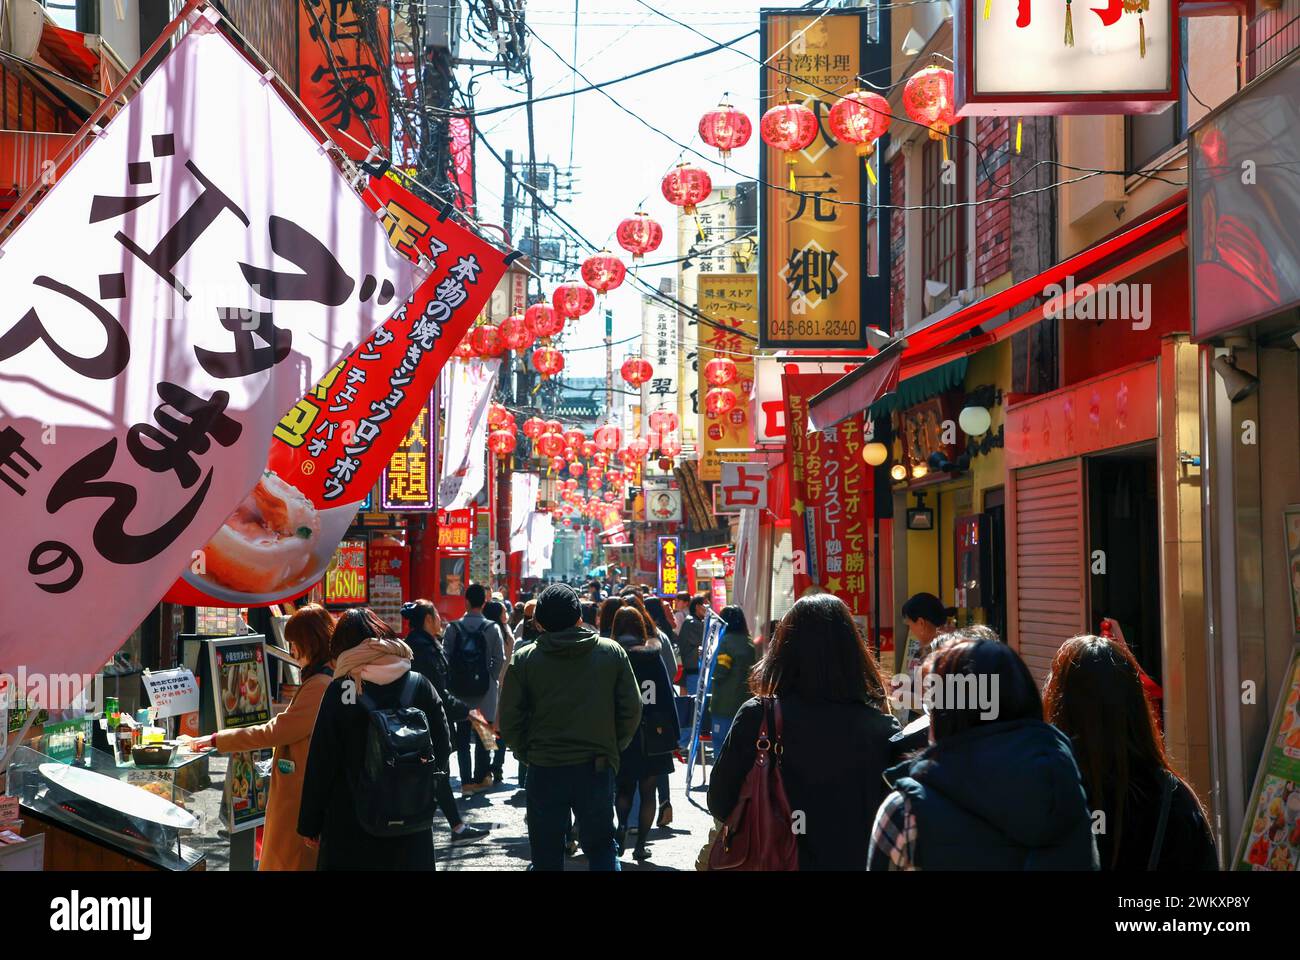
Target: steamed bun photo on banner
{"x": 197, "y": 268}
{"x": 329, "y": 449}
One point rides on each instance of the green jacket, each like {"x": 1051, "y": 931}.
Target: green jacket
{"x": 568, "y": 698}
{"x": 731, "y": 675}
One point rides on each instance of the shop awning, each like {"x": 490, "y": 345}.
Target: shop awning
{"x": 67, "y": 49}
{"x": 935, "y": 344}
{"x": 873, "y": 379}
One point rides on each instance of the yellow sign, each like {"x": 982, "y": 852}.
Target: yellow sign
{"x": 729, "y": 301}
{"x": 406, "y": 478}
{"x": 815, "y": 268}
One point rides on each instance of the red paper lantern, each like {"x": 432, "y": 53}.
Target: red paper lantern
{"x": 502, "y": 443}
{"x": 636, "y": 371}
{"x": 628, "y": 456}
{"x": 610, "y": 496}
{"x": 669, "y": 447}
{"x": 488, "y": 342}
{"x": 665, "y": 421}
{"x": 556, "y": 463}
{"x": 719, "y": 401}
{"x": 788, "y": 127}
{"x": 516, "y": 334}
{"x": 603, "y": 271}
{"x": 725, "y": 128}
{"x": 543, "y": 321}
{"x": 639, "y": 235}
{"x": 499, "y": 418}
{"x": 861, "y": 118}
{"x": 593, "y": 482}
{"x": 639, "y": 448}
{"x": 573, "y": 299}
{"x": 600, "y": 458}
{"x": 608, "y": 437}
{"x": 588, "y": 448}
{"x": 554, "y": 426}
{"x": 721, "y": 371}
{"x": 570, "y": 485}
{"x": 551, "y": 445}
{"x": 548, "y": 362}
{"x": 929, "y": 99}
{"x": 575, "y": 469}
{"x": 534, "y": 427}
{"x": 686, "y": 186}
{"x": 574, "y": 438}
{"x": 465, "y": 349}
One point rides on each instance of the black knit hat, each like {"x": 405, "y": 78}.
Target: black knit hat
{"x": 558, "y": 607}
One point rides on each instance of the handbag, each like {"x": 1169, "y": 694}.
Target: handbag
{"x": 759, "y": 834}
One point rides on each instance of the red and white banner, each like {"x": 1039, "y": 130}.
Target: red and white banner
{"x": 339, "y": 79}
{"x": 164, "y": 305}
{"x": 333, "y": 444}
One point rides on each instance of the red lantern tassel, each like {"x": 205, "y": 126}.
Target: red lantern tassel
{"x": 1069, "y": 26}
{"x": 1142, "y": 37}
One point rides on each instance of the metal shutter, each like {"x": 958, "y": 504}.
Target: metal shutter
{"x": 1046, "y": 587}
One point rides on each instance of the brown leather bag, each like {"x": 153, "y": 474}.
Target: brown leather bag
{"x": 759, "y": 834}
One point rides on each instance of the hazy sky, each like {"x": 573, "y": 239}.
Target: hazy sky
{"x": 620, "y": 161}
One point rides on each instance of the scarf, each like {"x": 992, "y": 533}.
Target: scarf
{"x": 375, "y": 661}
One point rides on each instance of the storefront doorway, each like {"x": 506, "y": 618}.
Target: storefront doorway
{"x": 1123, "y": 549}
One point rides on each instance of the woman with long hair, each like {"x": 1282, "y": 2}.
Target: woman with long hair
{"x": 369, "y": 660}
{"x": 650, "y": 754}
{"x": 605, "y": 619}
{"x": 836, "y": 729}
{"x": 1095, "y": 696}
{"x": 308, "y": 634}
{"x": 997, "y": 789}
{"x": 668, "y": 653}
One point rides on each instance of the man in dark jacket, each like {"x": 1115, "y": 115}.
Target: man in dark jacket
{"x": 690, "y": 639}
{"x": 569, "y": 706}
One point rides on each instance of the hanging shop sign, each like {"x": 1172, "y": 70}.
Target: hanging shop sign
{"x": 406, "y": 480}
{"x": 345, "y": 578}
{"x": 163, "y": 304}
{"x": 332, "y": 447}
{"x": 172, "y": 692}
{"x": 663, "y": 501}
{"x": 743, "y": 487}
{"x": 833, "y": 492}
{"x": 706, "y": 564}
{"x": 730, "y": 302}
{"x": 669, "y": 568}
{"x": 1270, "y": 839}
{"x": 1036, "y": 58}
{"x": 339, "y": 79}
{"x": 456, "y": 530}
{"x": 241, "y": 692}
{"x": 659, "y": 346}
{"x": 822, "y": 279}
{"x": 768, "y": 409}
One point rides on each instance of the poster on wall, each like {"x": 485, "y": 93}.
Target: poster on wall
{"x": 346, "y": 583}
{"x": 247, "y": 789}
{"x": 1270, "y": 839}
{"x": 241, "y": 692}
{"x": 388, "y": 578}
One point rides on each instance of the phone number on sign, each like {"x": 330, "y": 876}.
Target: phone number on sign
{"x": 792, "y": 329}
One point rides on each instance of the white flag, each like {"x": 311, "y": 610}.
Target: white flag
{"x": 523, "y": 501}
{"x": 466, "y": 394}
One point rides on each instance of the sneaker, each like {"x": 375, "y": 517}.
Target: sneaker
{"x": 468, "y": 835}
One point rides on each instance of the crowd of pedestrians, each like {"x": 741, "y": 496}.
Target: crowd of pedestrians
{"x": 820, "y": 761}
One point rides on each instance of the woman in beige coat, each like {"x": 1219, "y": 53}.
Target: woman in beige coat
{"x": 308, "y": 632}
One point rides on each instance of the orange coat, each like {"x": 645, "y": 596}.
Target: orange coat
{"x": 290, "y": 734}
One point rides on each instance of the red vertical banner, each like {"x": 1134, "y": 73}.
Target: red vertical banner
{"x": 340, "y": 78}
{"x": 831, "y": 490}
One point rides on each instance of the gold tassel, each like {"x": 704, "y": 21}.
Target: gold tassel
{"x": 794, "y": 186}
{"x": 871, "y": 174}
{"x": 699, "y": 228}
{"x": 1069, "y": 26}
{"x": 1020, "y": 129}
{"x": 944, "y": 141}
{"x": 1142, "y": 37}
{"x": 988, "y": 8}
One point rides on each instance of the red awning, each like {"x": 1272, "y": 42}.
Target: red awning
{"x": 856, "y": 391}
{"x": 67, "y": 49}
{"x": 936, "y": 343}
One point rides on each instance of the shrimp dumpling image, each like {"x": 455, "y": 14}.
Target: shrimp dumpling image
{"x": 267, "y": 542}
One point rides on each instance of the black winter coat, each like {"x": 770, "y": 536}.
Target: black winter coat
{"x": 834, "y": 755}
{"x": 328, "y": 810}
{"x": 1188, "y": 844}
{"x": 431, "y": 662}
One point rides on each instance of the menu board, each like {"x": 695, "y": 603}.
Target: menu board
{"x": 1271, "y": 836}
{"x": 248, "y": 786}
{"x": 241, "y": 690}
{"x": 345, "y": 578}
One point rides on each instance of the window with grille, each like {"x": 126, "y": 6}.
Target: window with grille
{"x": 943, "y": 221}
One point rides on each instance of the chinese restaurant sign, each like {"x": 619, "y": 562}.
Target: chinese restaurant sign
{"x": 659, "y": 346}
{"x": 164, "y": 303}
{"x": 339, "y": 80}
{"x": 730, "y": 301}
{"x": 833, "y": 492}
{"x": 456, "y": 530}
{"x": 669, "y": 567}
{"x": 817, "y": 288}
{"x": 1018, "y": 60}
{"x": 743, "y": 487}
{"x": 331, "y": 447}
{"x": 406, "y": 478}
{"x": 345, "y": 578}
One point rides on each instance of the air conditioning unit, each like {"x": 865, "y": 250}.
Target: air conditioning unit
{"x": 21, "y": 24}
{"x": 442, "y": 25}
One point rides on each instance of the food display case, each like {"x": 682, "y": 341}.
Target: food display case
{"x": 98, "y": 814}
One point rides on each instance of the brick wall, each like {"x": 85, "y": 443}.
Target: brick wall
{"x": 897, "y": 225}
{"x": 992, "y": 220}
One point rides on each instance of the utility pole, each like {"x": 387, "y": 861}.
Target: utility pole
{"x": 508, "y": 198}
{"x": 609, "y": 361}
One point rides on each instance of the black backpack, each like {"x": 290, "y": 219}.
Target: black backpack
{"x": 467, "y": 662}
{"x": 396, "y": 787}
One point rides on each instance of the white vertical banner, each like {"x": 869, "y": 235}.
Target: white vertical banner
{"x": 541, "y": 541}
{"x": 466, "y": 392}
{"x": 195, "y": 271}
{"x": 659, "y": 346}
{"x": 749, "y": 571}
{"x": 523, "y": 502}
